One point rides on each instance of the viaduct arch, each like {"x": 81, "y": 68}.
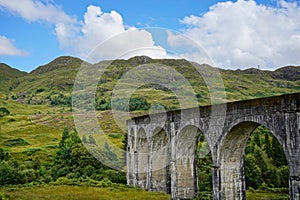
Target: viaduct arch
{"x": 161, "y": 153}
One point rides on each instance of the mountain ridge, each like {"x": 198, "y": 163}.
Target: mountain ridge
{"x": 52, "y": 83}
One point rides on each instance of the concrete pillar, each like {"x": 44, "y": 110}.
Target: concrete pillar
{"x": 173, "y": 169}
{"x": 216, "y": 183}
{"x": 149, "y": 171}
{"x": 128, "y": 166}
{"x": 136, "y": 167}
{"x": 294, "y": 187}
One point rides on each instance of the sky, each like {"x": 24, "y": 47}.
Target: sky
{"x": 227, "y": 34}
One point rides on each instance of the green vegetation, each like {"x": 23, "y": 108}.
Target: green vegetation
{"x": 266, "y": 170}
{"x": 15, "y": 142}
{"x": 40, "y": 158}
{"x": 86, "y": 192}
{"x": 4, "y": 112}
{"x": 52, "y": 84}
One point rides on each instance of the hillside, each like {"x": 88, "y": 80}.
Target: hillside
{"x": 9, "y": 78}
{"x": 39, "y": 104}
{"x": 52, "y": 84}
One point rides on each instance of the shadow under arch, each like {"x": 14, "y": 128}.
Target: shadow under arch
{"x": 187, "y": 142}
{"x": 231, "y": 157}
{"x": 160, "y": 180}
{"x": 141, "y": 157}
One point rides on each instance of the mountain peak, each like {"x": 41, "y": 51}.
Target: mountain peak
{"x": 291, "y": 73}
{"x": 60, "y": 62}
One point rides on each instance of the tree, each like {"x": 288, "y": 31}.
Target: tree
{"x": 252, "y": 172}
{"x": 7, "y": 174}
{"x": 257, "y": 139}
{"x": 260, "y": 162}
{"x": 277, "y": 153}
{"x": 3, "y": 155}
{"x": 64, "y": 137}
{"x": 267, "y": 146}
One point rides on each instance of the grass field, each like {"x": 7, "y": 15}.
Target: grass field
{"x": 80, "y": 192}
{"x": 119, "y": 193}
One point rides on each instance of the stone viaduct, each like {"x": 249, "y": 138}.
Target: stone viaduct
{"x": 161, "y": 147}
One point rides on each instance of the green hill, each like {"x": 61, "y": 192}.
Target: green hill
{"x": 52, "y": 84}
{"x": 9, "y": 78}
{"x": 39, "y": 103}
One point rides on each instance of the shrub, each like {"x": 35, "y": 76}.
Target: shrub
{"x": 28, "y": 175}
{"x": 39, "y": 90}
{"x": 7, "y": 174}
{"x": 3, "y": 112}
{"x": 16, "y": 142}
{"x": 2, "y": 196}
{"x": 66, "y": 181}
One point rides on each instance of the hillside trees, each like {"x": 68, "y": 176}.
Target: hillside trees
{"x": 73, "y": 160}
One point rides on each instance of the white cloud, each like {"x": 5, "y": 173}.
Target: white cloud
{"x": 107, "y": 28}
{"x": 245, "y": 34}
{"x": 7, "y": 48}
{"x": 79, "y": 38}
{"x": 187, "y": 48}
{"x": 33, "y": 10}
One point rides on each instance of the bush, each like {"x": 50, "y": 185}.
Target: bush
{"x": 3, "y": 112}
{"x": 2, "y": 196}
{"x": 27, "y": 175}
{"x": 66, "y": 181}
{"x": 16, "y": 142}
{"x": 124, "y": 104}
{"x": 7, "y": 174}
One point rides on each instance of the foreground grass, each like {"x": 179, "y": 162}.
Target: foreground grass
{"x": 251, "y": 195}
{"x": 257, "y": 195}
{"x": 80, "y": 192}
{"x": 110, "y": 193}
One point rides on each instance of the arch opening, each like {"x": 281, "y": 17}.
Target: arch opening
{"x": 244, "y": 163}
{"x": 193, "y": 163}
{"x": 204, "y": 168}
{"x": 142, "y": 152}
{"x": 160, "y": 176}
{"x": 265, "y": 166}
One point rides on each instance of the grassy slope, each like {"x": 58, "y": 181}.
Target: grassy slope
{"x": 9, "y": 78}
{"x": 41, "y": 125}
{"x": 58, "y": 76}
{"x": 82, "y": 193}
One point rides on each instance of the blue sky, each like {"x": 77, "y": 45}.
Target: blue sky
{"x": 234, "y": 34}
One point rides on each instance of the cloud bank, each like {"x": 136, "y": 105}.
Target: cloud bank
{"x": 238, "y": 34}
{"x": 79, "y": 38}
{"x": 245, "y": 34}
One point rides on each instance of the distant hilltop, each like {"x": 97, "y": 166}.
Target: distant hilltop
{"x": 53, "y": 83}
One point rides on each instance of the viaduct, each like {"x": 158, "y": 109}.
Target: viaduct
{"x": 161, "y": 147}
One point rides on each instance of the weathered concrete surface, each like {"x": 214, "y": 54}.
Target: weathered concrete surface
{"x": 161, "y": 153}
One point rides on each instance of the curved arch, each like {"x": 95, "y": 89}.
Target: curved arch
{"x": 232, "y": 162}
{"x": 231, "y": 158}
{"x": 263, "y": 123}
{"x": 160, "y": 178}
{"x": 142, "y": 152}
{"x": 187, "y": 140}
